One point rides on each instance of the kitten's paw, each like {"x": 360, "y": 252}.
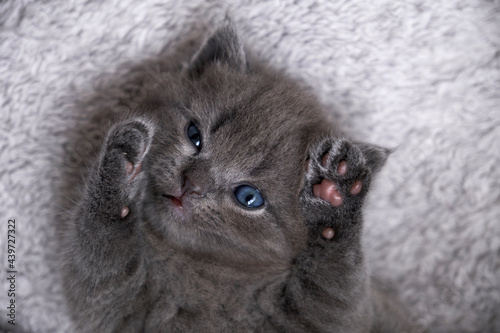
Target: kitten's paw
{"x": 338, "y": 172}
{"x": 337, "y": 179}
{"x": 120, "y": 163}
{"x": 126, "y": 146}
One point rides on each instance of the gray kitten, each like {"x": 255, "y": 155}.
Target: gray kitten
{"x": 226, "y": 203}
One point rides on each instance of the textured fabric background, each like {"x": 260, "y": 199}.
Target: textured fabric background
{"x": 420, "y": 75}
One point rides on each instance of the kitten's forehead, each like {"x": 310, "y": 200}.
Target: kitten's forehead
{"x": 259, "y": 127}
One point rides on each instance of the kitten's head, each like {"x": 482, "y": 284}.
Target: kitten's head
{"x": 228, "y": 158}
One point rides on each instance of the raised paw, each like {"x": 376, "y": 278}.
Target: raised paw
{"x": 120, "y": 163}
{"x": 338, "y": 173}
{"x": 131, "y": 140}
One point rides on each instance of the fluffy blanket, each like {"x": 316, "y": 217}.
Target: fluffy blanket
{"x": 419, "y": 75}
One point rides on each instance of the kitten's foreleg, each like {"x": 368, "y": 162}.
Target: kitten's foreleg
{"x": 105, "y": 268}
{"x": 106, "y": 221}
{"x": 328, "y": 290}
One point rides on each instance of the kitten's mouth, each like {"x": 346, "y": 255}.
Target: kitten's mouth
{"x": 180, "y": 197}
{"x": 177, "y": 204}
{"x": 177, "y": 201}
{"x": 180, "y": 200}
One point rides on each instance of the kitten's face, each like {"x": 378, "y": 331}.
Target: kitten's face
{"x": 227, "y": 163}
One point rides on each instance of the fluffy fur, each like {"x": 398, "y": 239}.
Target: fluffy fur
{"x": 420, "y": 76}
{"x": 160, "y": 243}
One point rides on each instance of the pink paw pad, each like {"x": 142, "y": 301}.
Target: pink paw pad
{"x": 327, "y": 233}
{"x": 131, "y": 171}
{"x": 342, "y": 168}
{"x": 324, "y": 160}
{"x": 356, "y": 187}
{"x": 327, "y": 190}
{"x": 129, "y": 168}
{"x": 124, "y": 211}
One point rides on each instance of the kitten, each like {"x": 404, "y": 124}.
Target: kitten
{"x": 226, "y": 203}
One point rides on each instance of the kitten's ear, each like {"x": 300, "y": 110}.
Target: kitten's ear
{"x": 223, "y": 46}
{"x": 374, "y": 155}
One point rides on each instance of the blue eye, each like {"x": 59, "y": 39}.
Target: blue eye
{"x": 248, "y": 196}
{"x": 194, "y": 135}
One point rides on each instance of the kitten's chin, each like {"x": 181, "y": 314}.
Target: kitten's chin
{"x": 194, "y": 225}
{"x": 176, "y": 231}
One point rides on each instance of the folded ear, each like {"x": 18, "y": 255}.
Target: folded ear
{"x": 223, "y": 46}
{"x": 375, "y": 155}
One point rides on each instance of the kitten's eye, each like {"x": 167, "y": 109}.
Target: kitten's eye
{"x": 248, "y": 196}
{"x": 194, "y": 135}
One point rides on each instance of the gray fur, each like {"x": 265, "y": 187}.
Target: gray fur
{"x": 221, "y": 267}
